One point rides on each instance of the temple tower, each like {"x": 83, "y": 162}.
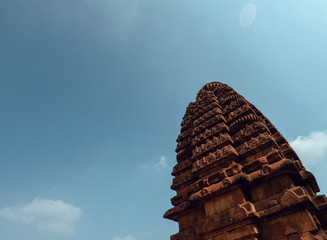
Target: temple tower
{"x": 237, "y": 178}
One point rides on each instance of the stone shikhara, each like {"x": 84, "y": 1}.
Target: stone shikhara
{"x": 237, "y": 177}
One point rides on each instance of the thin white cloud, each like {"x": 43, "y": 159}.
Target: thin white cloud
{"x": 47, "y": 215}
{"x": 160, "y": 165}
{"x": 128, "y": 237}
{"x": 311, "y": 149}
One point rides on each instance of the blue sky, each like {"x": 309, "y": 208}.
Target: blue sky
{"x": 92, "y": 94}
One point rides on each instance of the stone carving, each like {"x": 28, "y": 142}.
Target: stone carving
{"x": 181, "y": 166}
{"x": 236, "y": 172}
{"x": 182, "y": 178}
{"x": 184, "y": 134}
{"x": 218, "y": 155}
{"x": 201, "y": 110}
{"x": 241, "y": 110}
{"x": 234, "y": 104}
{"x": 208, "y": 123}
{"x": 293, "y": 196}
{"x": 244, "y": 210}
{"x": 215, "y": 111}
{"x": 248, "y": 118}
{"x": 254, "y": 143}
{"x": 178, "y": 236}
{"x": 210, "y": 144}
{"x": 183, "y": 144}
{"x": 214, "y": 131}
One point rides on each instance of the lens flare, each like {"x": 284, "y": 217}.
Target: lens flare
{"x": 247, "y": 15}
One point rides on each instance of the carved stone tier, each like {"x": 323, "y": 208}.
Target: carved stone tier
{"x": 237, "y": 178}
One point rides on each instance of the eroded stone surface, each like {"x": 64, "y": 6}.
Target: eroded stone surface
{"x": 237, "y": 178}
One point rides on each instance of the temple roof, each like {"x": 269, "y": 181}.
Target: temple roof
{"x": 226, "y": 141}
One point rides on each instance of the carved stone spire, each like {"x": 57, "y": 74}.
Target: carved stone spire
{"x": 237, "y": 178}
